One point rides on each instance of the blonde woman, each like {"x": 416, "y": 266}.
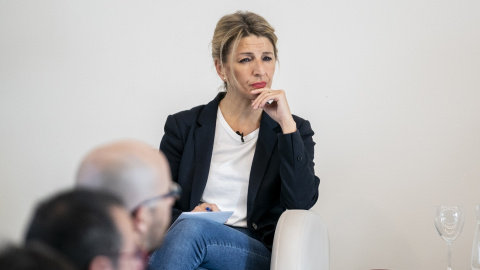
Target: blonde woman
{"x": 242, "y": 152}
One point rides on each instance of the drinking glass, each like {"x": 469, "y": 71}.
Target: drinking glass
{"x": 476, "y": 243}
{"x": 449, "y": 224}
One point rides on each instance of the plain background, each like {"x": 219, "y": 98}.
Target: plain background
{"x": 392, "y": 90}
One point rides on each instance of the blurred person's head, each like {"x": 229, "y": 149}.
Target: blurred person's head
{"x": 140, "y": 176}
{"x": 92, "y": 229}
{"x": 33, "y": 256}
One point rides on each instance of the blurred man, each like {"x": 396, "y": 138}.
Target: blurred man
{"x": 140, "y": 176}
{"x": 33, "y": 256}
{"x": 92, "y": 229}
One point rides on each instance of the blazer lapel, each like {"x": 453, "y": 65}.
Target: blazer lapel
{"x": 204, "y": 136}
{"x": 267, "y": 139}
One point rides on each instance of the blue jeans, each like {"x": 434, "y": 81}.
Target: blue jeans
{"x": 202, "y": 244}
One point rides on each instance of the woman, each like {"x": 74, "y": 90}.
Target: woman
{"x": 243, "y": 152}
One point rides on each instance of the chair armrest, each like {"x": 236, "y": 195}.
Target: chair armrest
{"x": 300, "y": 242}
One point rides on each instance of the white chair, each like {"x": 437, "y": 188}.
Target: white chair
{"x": 300, "y": 242}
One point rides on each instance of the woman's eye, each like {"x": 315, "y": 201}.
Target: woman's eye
{"x": 267, "y": 58}
{"x": 244, "y": 60}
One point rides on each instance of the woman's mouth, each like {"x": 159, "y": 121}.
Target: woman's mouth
{"x": 259, "y": 85}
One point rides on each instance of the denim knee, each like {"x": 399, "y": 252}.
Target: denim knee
{"x": 191, "y": 228}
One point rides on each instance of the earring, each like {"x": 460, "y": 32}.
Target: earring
{"x": 224, "y": 79}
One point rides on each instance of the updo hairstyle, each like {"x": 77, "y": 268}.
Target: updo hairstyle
{"x": 232, "y": 28}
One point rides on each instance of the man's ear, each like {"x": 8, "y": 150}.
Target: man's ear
{"x": 142, "y": 219}
{"x": 101, "y": 262}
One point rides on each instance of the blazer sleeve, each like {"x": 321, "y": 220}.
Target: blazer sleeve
{"x": 172, "y": 145}
{"x": 299, "y": 189}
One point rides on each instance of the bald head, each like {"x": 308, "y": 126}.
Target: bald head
{"x": 132, "y": 170}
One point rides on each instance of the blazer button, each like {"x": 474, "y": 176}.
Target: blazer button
{"x": 254, "y": 226}
{"x": 299, "y": 158}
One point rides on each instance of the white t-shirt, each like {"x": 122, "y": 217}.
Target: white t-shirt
{"x": 227, "y": 183}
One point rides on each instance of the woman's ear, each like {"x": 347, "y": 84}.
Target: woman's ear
{"x": 220, "y": 70}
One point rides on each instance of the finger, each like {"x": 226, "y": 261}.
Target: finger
{"x": 198, "y": 208}
{"x": 214, "y": 207}
{"x": 201, "y": 207}
{"x": 259, "y": 90}
{"x": 277, "y": 96}
{"x": 262, "y": 98}
{"x": 266, "y": 100}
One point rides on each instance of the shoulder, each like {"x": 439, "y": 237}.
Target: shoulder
{"x": 179, "y": 124}
{"x": 183, "y": 121}
{"x": 198, "y": 115}
{"x": 189, "y": 115}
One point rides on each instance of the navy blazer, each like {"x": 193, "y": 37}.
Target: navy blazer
{"x": 282, "y": 174}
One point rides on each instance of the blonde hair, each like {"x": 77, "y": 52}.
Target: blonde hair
{"x": 232, "y": 28}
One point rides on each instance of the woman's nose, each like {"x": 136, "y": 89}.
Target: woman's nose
{"x": 258, "y": 68}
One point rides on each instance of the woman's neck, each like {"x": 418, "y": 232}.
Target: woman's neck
{"x": 239, "y": 114}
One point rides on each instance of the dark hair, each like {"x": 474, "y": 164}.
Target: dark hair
{"x": 79, "y": 225}
{"x": 34, "y": 256}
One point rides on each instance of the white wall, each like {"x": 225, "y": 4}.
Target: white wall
{"x": 391, "y": 88}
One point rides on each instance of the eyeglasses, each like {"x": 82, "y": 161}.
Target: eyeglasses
{"x": 175, "y": 192}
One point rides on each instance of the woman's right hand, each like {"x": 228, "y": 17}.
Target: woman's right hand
{"x": 278, "y": 110}
{"x": 206, "y": 207}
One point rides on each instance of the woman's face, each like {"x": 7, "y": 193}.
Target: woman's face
{"x": 252, "y": 64}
